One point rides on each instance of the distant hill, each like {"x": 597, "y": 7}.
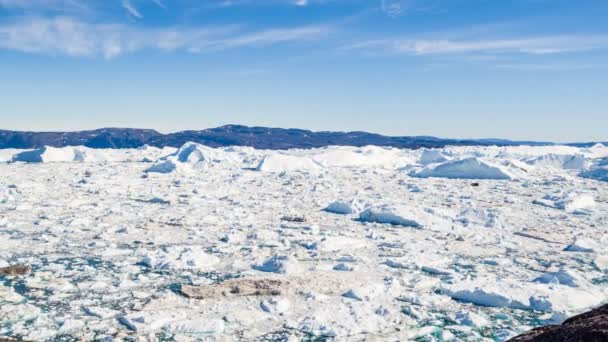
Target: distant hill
{"x": 99, "y": 138}
{"x": 234, "y": 135}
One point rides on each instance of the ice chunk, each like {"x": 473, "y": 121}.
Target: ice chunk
{"x": 338, "y": 243}
{"x": 562, "y": 277}
{"x": 164, "y": 166}
{"x": 477, "y": 217}
{"x": 365, "y": 292}
{"x": 395, "y": 215}
{"x": 471, "y": 319}
{"x": 18, "y": 312}
{"x": 275, "y": 305}
{"x": 153, "y": 320}
{"x": 431, "y": 156}
{"x": 527, "y": 296}
{"x": 191, "y": 156}
{"x": 561, "y": 161}
{"x": 469, "y": 168}
{"x": 571, "y": 203}
{"x": 338, "y": 207}
{"x": 343, "y": 267}
{"x": 353, "y": 295}
{"x": 201, "y": 326}
{"x": 100, "y": 312}
{"x": 180, "y": 258}
{"x": 48, "y": 154}
{"x": 598, "y": 173}
{"x": 278, "y": 264}
{"x": 601, "y": 262}
{"x": 343, "y": 207}
{"x": 584, "y": 245}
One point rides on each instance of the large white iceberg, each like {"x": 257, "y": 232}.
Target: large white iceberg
{"x": 191, "y": 156}
{"x": 48, "y": 154}
{"x": 561, "y": 161}
{"x": 538, "y": 296}
{"x": 469, "y": 168}
{"x": 431, "y": 156}
{"x": 282, "y": 162}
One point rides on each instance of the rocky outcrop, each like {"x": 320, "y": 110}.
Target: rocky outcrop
{"x": 231, "y": 135}
{"x": 590, "y": 326}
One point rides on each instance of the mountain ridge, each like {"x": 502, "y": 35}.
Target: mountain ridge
{"x": 236, "y": 135}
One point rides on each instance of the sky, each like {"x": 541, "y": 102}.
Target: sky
{"x": 517, "y": 69}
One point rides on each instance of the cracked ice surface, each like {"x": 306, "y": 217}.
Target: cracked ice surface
{"x": 110, "y": 244}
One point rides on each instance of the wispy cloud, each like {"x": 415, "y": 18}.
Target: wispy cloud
{"x": 65, "y": 6}
{"x": 535, "y": 45}
{"x": 134, "y": 12}
{"x": 159, "y": 3}
{"x": 69, "y": 36}
{"x": 395, "y": 8}
{"x": 275, "y": 36}
{"x": 551, "y": 66}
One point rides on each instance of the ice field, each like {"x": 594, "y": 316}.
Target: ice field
{"x": 337, "y": 243}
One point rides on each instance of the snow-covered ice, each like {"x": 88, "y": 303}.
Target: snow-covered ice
{"x": 344, "y": 243}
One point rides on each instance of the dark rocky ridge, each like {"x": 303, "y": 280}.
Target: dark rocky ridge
{"x": 99, "y": 138}
{"x": 231, "y": 135}
{"x": 590, "y": 326}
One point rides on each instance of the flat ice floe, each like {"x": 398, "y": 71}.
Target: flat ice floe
{"x": 462, "y": 243}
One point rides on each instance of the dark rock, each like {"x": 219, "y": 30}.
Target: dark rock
{"x": 15, "y": 270}
{"x": 590, "y": 326}
{"x": 237, "y": 288}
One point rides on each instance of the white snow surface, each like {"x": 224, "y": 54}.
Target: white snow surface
{"x": 366, "y": 243}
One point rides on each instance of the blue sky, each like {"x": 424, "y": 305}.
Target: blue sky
{"x": 520, "y": 69}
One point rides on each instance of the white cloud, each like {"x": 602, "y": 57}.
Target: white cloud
{"x": 535, "y": 45}
{"x": 69, "y": 36}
